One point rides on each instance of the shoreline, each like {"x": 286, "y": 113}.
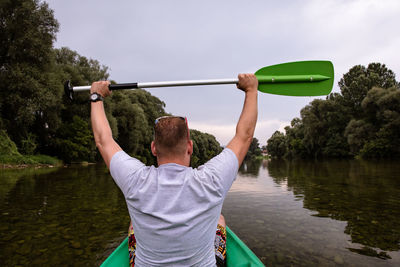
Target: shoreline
{"x": 4, "y": 166}
{"x": 7, "y": 166}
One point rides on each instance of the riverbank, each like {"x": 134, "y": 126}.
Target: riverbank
{"x": 11, "y": 158}
{"x": 27, "y": 161}
{"x": 23, "y": 166}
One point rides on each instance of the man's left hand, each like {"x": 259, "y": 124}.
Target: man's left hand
{"x": 101, "y": 87}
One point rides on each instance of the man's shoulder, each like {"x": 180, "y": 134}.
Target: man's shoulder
{"x": 121, "y": 163}
{"x": 227, "y": 155}
{"x": 126, "y": 171}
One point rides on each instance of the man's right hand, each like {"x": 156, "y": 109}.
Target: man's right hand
{"x": 247, "y": 82}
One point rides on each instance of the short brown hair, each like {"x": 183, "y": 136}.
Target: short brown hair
{"x": 170, "y": 136}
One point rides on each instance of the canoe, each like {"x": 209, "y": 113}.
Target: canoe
{"x": 237, "y": 254}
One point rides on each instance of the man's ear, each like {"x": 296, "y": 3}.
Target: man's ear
{"x": 153, "y": 149}
{"x": 190, "y": 147}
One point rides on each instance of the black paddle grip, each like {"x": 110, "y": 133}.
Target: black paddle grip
{"x": 69, "y": 92}
{"x": 122, "y": 86}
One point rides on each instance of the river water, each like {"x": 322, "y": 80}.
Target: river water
{"x": 331, "y": 213}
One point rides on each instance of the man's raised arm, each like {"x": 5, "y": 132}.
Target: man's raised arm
{"x": 101, "y": 129}
{"x": 247, "y": 122}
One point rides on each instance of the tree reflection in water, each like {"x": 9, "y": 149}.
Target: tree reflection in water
{"x": 75, "y": 216}
{"x": 250, "y": 167}
{"x": 364, "y": 194}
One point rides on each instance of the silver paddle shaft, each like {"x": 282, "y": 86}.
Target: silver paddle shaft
{"x": 165, "y": 84}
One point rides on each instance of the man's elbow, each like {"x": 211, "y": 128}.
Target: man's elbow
{"x": 99, "y": 145}
{"x": 246, "y": 136}
{"x": 101, "y": 141}
{"x": 248, "y": 139}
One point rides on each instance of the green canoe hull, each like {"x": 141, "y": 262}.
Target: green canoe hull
{"x": 238, "y": 254}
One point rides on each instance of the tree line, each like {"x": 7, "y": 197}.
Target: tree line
{"x": 35, "y": 115}
{"x": 363, "y": 120}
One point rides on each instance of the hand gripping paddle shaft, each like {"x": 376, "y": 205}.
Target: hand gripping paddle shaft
{"x": 302, "y": 78}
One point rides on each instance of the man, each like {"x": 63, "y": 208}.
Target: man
{"x": 174, "y": 208}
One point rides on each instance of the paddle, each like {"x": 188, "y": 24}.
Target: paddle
{"x": 302, "y": 78}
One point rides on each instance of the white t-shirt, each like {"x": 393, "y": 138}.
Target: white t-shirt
{"x": 174, "y": 209}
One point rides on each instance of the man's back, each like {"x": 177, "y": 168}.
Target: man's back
{"x": 175, "y": 209}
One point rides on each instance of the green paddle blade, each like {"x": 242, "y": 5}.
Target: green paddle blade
{"x": 302, "y": 78}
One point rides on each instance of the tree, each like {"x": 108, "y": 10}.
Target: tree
{"x": 205, "y": 146}
{"x": 356, "y": 83}
{"x": 35, "y": 115}
{"x": 324, "y": 122}
{"x": 361, "y": 120}
{"x": 135, "y": 113}
{"x": 358, "y": 132}
{"x": 28, "y": 95}
{"x": 276, "y": 145}
{"x": 383, "y": 109}
{"x": 69, "y": 65}
{"x": 294, "y": 139}
{"x": 75, "y": 141}
{"x": 254, "y": 149}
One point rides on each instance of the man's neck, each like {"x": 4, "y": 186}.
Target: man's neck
{"x": 179, "y": 161}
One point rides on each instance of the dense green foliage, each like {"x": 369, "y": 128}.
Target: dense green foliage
{"x": 29, "y": 94}
{"x": 6, "y": 145}
{"x": 134, "y": 113}
{"x": 35, "y": 117}
{"x": 205, "y": 146}
{"x": 254, "y": 150}
{"x": 362, "y": 120}
{"x": 9, "y": 154}
{"x": 276, "y": 145}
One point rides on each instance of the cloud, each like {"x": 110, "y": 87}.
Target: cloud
{"x": 351, "y": 32}
{"x": 225, "y": 132}
{"x": 179, "y": 40}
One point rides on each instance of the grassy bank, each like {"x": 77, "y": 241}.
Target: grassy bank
{"x": 16, "y": 161}
{"x": 261, "y": 157}
{"x": 10, "y": 156}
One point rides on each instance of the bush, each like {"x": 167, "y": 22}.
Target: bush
{"x": 75, "y": 141}
{"x": 7, "y": 146}
{"x": 44, "y": 159}
{"x": 29, "y": 145}
{"x": 9, "y": 154}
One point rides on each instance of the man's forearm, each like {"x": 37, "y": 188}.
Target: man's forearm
{"x": 101, "y": 128}
{"x": 248, "y": 118}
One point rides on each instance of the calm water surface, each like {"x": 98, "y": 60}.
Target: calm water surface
{"x": 334, "y": 213}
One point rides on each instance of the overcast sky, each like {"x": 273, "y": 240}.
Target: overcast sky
{"x": 143, "y": 41}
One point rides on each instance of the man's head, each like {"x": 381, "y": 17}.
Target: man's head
{"x": 171, "y": 140}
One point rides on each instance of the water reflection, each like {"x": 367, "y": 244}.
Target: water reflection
{"x": 250, "y": 167}
{"x": 301, "y": 213}
{"x": 364, "y": 194}
{"x": 55, "y": 217}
